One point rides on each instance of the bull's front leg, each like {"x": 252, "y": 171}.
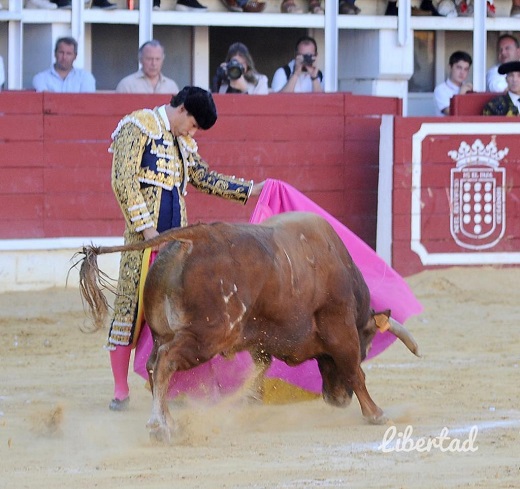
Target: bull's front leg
{"x": 161, "y": 424}
{"x": 334, "y": 389}
{"x": 353, "y": 380}
{"x": 371, "y": 411}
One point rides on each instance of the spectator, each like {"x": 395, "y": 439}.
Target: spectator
{"x": 301, "y": 75}
{"x": 183, "y": 6}
{"x": 149, "y": 78}
{"x": 290, "y": 7}
{"x": 348, "y": 7}
{"x": 103, "y": 4}
{"x": 63, "y": 4}
{"x": 507, "y": 104}
{"x": 426, "y": 7}
{"x": 443, "y": 8}
{"x": 62, "y": 76}
{"x": 242, "y": 76}
{"x": 154, "y": 158}
{"x": 515, "y": 9}
{"x": 508, "y": 49}
{"x": 460, "y": 64}
{"x": 67, "y": 4}
{"x": 46, "y": 4}
{"x": 251, "y": 6}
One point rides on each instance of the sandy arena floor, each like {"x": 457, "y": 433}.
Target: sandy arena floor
{"x": 57, "y": 432}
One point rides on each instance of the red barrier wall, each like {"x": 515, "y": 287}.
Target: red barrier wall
{"x": 55, "y": 168}
{"x": 470, "y": 103}
{"x": 456, "y": 192}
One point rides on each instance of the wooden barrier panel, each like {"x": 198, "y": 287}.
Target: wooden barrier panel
{"x": 456, "y": 193}
{"x": 55, "y": 166}
{"x": 470, "y": 103}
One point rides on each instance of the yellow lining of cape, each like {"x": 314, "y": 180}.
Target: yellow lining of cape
{"x": 277, "y": 391}
{"x": 139, "y": 320}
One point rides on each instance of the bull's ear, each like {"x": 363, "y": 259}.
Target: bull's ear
{"x": 382, "y": 320}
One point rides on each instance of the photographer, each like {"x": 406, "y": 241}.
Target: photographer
{"x": 238, "y": 74}
{"x": 301, "y": 75}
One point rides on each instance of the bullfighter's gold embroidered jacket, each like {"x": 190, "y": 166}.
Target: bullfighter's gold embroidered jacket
{"x": 150, "y": 171}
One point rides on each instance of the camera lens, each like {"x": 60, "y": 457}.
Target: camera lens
{"x": 234, "y": 70}
{"x": 308, "y": 59}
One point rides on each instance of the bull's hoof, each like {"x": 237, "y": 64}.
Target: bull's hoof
{"x": 339, "y": 400}
{"x": 159, "y": 433}
{"x": 161, "y": 436}
{"x": 378, "y": 419}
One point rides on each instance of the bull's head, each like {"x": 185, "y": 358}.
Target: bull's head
{"x": 381, "y": 321}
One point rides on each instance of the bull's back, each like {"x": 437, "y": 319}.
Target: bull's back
{"x": 309, "y": 251}
{"x": 283, "y": 270}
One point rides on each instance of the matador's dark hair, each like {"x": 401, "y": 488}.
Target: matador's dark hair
{"x": 199, "y": 103}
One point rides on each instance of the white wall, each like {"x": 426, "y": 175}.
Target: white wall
{"x": 45, "y": 263}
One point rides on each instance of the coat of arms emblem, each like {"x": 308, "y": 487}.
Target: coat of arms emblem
{"x": 477, "y": 197}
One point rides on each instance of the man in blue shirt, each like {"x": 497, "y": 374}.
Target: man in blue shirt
{"x": 62, "y": 76}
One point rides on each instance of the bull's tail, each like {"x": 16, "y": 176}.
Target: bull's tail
{"x": 92, "y": 281}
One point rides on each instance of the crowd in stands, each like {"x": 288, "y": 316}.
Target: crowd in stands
{"x": 238, "y": 74}
{"x": 441, "y": 8}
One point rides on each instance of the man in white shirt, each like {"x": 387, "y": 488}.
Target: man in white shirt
{"x": 62, "y": 77}
{"x": 149, "y": 78}
{"x": 301, "y": 75}
{"x": 508, "y": 49}
{"x": 460, "y": 63}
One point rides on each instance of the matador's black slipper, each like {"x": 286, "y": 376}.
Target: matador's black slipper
{"x": 119, "y": 405}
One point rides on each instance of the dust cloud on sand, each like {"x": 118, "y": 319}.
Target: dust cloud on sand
{"x": 57, "y": 432}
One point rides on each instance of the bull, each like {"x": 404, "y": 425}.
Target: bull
{"x": 287, "y": 288}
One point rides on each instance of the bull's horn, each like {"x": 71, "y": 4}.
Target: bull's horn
{"x": 405, "y": 336}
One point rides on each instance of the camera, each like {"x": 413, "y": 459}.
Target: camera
{"x": 308, "y": 59}
{"x": 234, "y": 69}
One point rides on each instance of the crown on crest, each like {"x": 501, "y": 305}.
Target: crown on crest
{"x": 477, "y": 153}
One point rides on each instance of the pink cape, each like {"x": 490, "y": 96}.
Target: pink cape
{"x": 387, "y": 288}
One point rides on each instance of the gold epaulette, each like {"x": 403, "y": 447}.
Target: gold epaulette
{"x": 146, "y": 120}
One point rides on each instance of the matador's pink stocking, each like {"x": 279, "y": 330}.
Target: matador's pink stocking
{"x": 120, "y": 361}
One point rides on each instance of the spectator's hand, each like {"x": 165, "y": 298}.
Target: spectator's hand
{"x": 257, "y": 188}
{"x": 298, "y": 64}
{"x": 300, "y": 67}
{"x": 465, "y": 88}
{"x": 313, "y": 70}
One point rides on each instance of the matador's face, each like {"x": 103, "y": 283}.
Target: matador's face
{"x": 183, "y": 123}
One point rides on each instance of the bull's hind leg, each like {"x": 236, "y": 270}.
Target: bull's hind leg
{"x": 150, "y": 363}
{"x": 182, "y": 352}
{"x": 160, "y": 370}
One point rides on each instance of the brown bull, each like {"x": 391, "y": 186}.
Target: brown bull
{"x": 286, "y": 288}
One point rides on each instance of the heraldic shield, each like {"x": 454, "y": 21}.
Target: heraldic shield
{"x": 477, "y": 216}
